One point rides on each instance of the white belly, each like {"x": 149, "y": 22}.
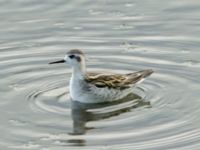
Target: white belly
{"x": 92, "y": 94}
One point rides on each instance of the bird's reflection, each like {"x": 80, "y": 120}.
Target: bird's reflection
{"x": 83, "y": 113}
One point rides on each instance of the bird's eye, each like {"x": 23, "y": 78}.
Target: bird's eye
{"x": 71, "y": 56}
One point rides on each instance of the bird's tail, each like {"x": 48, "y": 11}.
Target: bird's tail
{"x": 145, "y": 73}
{"x": 138, "y": 76}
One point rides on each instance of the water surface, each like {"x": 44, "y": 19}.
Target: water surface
{"x": 122, "y": 36}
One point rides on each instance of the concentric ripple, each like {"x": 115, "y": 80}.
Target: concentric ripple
{"x": 37, "y": 112}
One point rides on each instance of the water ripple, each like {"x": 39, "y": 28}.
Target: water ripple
{"x": 163, "y": 111}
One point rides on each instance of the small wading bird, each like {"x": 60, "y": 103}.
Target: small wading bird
{"x": 94, "y": 87}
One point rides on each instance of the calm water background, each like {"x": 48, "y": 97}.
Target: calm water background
{"x": 122, "y": 36}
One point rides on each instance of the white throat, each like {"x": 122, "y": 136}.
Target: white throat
{"x": 79, "y": 72}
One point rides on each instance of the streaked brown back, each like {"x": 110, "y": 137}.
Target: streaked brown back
{"x": 117, "y": 81}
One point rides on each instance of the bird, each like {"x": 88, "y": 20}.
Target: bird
{"x": 94, "y": 87}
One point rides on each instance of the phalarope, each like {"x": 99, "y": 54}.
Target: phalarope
{"x": 98, "y": 87}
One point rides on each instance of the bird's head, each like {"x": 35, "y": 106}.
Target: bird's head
{"x": 75, "y": 58}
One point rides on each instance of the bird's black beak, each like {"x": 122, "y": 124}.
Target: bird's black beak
{"x": 59, "y": 61}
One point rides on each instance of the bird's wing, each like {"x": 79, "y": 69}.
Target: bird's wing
{"x": 117, "y": 81}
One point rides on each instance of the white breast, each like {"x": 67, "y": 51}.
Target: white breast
{"x": 75, "y": 89}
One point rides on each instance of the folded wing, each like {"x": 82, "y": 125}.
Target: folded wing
{"x": 117, "y": 81}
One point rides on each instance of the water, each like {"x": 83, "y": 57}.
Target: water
{"x": 122, "y": 36}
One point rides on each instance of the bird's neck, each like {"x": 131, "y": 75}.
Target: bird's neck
{"x": 79, "y": 72}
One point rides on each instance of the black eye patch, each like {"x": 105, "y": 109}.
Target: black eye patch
{"x": 78, "y": 58}
{"x": 71, "y": 56}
